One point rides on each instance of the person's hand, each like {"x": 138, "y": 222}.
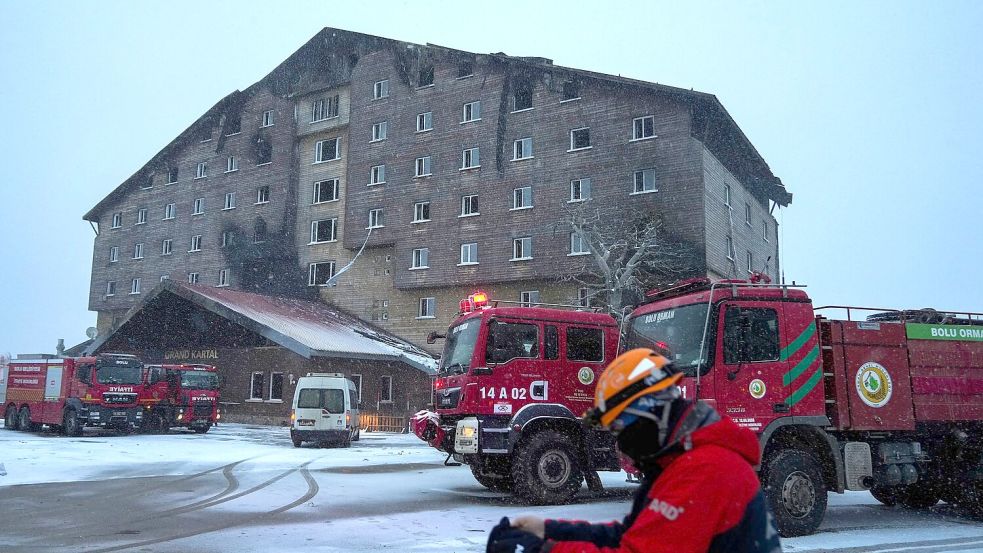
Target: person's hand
{"x": 531, "y": 524}
{"x": 505, "y": 538}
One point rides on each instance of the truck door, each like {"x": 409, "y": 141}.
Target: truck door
{"x": 514, "y": 350}
{"x": 583, "y": 361}
{"x": 749, "y": 382}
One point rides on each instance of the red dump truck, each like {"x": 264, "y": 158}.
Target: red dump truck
{"x": 511, "y": 387}
{"x": 71, "y": 393}
{"x": 181, "y": 396}
{"x": 890, "y": 401}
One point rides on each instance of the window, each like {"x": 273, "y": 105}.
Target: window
{"x": 169, "y": 211}
{"x": 522, "y": 198}
{"x": 230, "y": 200}
{"x": 117, "y": 220}
{"x": 523, "y": 149}
{"x": 324, "y": 108}
{"x": 259, "y": 231}
{"x": 424, "y": 122}
{"x": 380, "y": 90}
{"x": 730, "y": 248}
{"x": 326, "y": 191}
{"x": 522, "y": 96}
{"x": 324, "y": 231}
{"x": 138, "y": 251}
{"x": 577, "y": 245}
{"x": 135, "y": 286}
{"x": 276, "y": 387}
{"x": 764, "y": 230}
{"x": 377, "y": 175}
{"x": 428, "y": 308}
{"x": 750, "y": 262}
{"x": 114, "y": 254}
{"x": 199, "y": 206}
{"x": 172, "y": 174}
{"x": 470, "y": 159}
{"x": 320, "y": 273}
{"x": 522, "y": 248}
{"x": 422, "y": 166}
{"x": 357, "y": 380}
{"x": 233, "y": 124}
{"x": 263, "y": 195}
{"x": 421, "y": 258}
{"x": 202, "y": 170}
{"x": 583, "y": 297}
{"x": 571, "y": 91}
{"x": 375, "y": 218}
{"x": 528, "y": 298}
{"x": 643, "y": 127}
{"x": 585, "y": 344}
{"x": 551, "y": 343}
{"x": 379, "y": 131}
{"x": 579, "y": 190}
{"x": 580, "y": 139}
{"x": 256, "y": 386}
{"x": 469, "y": 205}
{"x": 512, "y": 341}
{"x": 268, "y": 118}
{"x": 327, "y": 150}
{"x": 465, "y": 69}
{"x": 228, "y": 238}
{"x": 426, "y": 75}
{"x": 223, "y": 277}
{"x": 195, "y": 243}
{"x": 644, "y": 181}
{"x": 111, "y": 288}
{"x": 421, "y": 212}
{"x": 469, "y": 254}
{"x": 727, "y": 195}
{"x": 232, "y": 164}
{"x": 472, "y": 112}
{"x": 142, "y": 216}
{"x": 263, "y": 151}
{"x": 166, "y": 246}
{"x": 386, "y": 391}
{"x": 750, "y": 335}
{"x": 192, "y": 278}
{"x": 747, "y": 214}
{"x": 165, "y": 277}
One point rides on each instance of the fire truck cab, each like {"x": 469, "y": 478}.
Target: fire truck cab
{"x": 181, "y": 395}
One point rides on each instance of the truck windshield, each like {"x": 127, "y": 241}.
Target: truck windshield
{"x": 679, "y": 330}
{"x": 199, "y": 380}
{"x": 119, "y": 372}
{"x": 459, "y": 347}
{"x": 332, "y": 400}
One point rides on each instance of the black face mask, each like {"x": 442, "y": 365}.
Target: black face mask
{"x": 641, "y": 441}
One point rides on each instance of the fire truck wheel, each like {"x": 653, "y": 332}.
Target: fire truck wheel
{"x": 796, "y": 491}
{"x": 888, "y": 495}
{"x": 10, "y": 418}
{"x": 202, "y": 429}
{"x": 25, "y": 421}
{"x": 494, "y": 481}
{"x": 71, "y": 424}
{"x": 546, "y": 469}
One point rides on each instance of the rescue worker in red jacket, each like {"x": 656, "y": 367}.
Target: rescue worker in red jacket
{"x": 699, "y": 491}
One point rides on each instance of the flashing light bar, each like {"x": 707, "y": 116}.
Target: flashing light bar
{"x": 475, "y": 301}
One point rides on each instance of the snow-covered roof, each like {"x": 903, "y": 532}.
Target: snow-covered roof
{"x": 309, "y": 328}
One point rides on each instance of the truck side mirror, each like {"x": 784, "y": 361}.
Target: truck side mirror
{"x": 434, "y": 336}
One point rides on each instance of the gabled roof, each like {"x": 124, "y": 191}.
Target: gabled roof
{"x": 309, "y": 329}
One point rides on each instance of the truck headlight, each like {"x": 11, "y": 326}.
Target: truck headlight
{"x": 468, "y": 431}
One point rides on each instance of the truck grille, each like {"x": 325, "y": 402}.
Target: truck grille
{"x": 119, "y": 398}
{"x": 202, "y": 409}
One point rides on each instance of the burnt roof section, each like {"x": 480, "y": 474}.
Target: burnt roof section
{"x": 713, "y": 125}
{"x": 309, "y": 329}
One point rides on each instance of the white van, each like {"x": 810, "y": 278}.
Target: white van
{"x": 325, "y": 409}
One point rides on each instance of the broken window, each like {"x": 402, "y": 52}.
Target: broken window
{"x": 325, "y": 191}
{"x": 263, "y": 151}
{"x": 580, "y": 138}
{"x": 426, "y": 75}
{"x": 324, "y": 230}
{"x": 172, "y": 174}
{"x": 465, "y": 69}
{"x": 571, "y": 90}
{"x": 233, "y": 125}
{"x": 259, "y": 230}
{"x": 522, "y": 95}
{"x": 320, "y": 273}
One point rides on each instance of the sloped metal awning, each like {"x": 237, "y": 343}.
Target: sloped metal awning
{"x": 308, "y": 328}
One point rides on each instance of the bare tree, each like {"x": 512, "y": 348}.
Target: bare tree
{"x": 627, "y": 254}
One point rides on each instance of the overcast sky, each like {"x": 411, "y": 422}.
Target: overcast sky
{"x": 871, "y": 114}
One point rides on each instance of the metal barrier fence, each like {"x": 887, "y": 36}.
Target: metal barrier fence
{"x": 377, "y": 422}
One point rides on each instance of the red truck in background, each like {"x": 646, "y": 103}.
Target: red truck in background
{"x": 72, "y": 393}
{"x": 181, "y": 396}
{"x": 512, "y": 385}
{"x": 892, "y": 403}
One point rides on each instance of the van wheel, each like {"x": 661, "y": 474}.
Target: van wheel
{"x": 796, "y": 492}
{"x": 10, "y": 418}
{"x": 546, "y": 469}
{"x": 71, "y": 423}
{"x": 358, "y": 435}
{"x": 297, "y": 441}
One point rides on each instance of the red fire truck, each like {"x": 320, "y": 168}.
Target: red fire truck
{"x": 72, "y": 393}
{"x": 891, "y": 401}
{"x": 181, "y": 395}
{"x": 512, "y": 384}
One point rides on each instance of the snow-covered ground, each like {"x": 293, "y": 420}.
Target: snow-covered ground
{"x": 245, "y": 488}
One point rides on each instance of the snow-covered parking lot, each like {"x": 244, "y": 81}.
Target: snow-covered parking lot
{"x": 245, "y": 488}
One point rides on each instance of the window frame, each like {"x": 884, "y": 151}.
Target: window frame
{"x": 335, "y": 191}
{"x": 420, "y": 259}
{"x": 427, "y": 308}
{"x": 114, "y": 254}
{"x": 639, "y": 123}
{"x": 577, "y": 238}
{"x": 195, "y": 243}
{"x": 198, "y": 206}
{"x": 170, "y": 212}
{"x": 564, "y": 92}
{"x": 418, "y": 212}
{"x": 201, "y": 171}
{"x": 425, "y": 164}
{"x": 386, "y": 387}
{"x": 252, "y": 386}
{"x": 472, "y": 254}
{"x": 579, "y": 185}
{"x": 427, "y": 119}
{"x": 516, "y": 149}
{"x": 142, "y": 216}
{"x": 117, "y": 220}
{"x": 469, "y": 206}
{"x": 135, "y": 286}
{"x": 380, "y": 131}
{"x": 380, "y": 89}
{"x": 138, "y": 250}
{"x": 470, "y": 158}
{"x": 529, "y": 298}
{"x": 313, "y": 272}
{"x": 747, "y": 213}
{"x": 519, "y": 246}
{"x": 377, "y": 214}
{"x": 194, "y": 277}
{"x": 273, "y": 375}
{"x": 319, "y": 150}
{"x": 377, "y": 175}
{"x": 573, "y": 138}
{"x": 262, "y": 194}
{"x": 727, "y": 196}
{"x": 167, "y": 246}
{"x": 635, "y": 175}
{"x": 519, "y": 197}
{"x": 267, "y": 119}
{"x": 110, "y": 288}
{"x": 231, "y": 164}
{"x": 332, "y": 224}
{"x": 472, "y": 105}
{"x": 223, "y": 278}
{"x": 230, "y": 201}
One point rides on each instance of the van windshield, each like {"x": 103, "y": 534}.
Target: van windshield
{"x": 332, "y": 400}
